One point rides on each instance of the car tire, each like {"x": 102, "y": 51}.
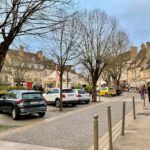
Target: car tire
{"x": 106, "y": 95}
{"x": 42, "y": 114}
{"x": 74, "y": 104}
{"x": 14, "y": 114}
{"x": 86, "y": 102}
{"x": 57, "y": 103}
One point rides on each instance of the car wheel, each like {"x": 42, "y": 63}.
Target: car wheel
{"x": 14, "y": 114}
{"x": 41, "y": 114}
{"x": 106, "y": 94}
{"x": 57, "y": 103}
{"x": 86, "y": 102}
{"x": 74, "y": 104}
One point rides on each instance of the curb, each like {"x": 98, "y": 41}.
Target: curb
{"x": 116, "y": 131}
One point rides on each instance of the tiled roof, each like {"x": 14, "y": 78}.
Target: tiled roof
{"x": 29, "y": 57}
{"x": 141, "y": 56}
{"x": 147, "y": 65}
{"x": 125, "y": 56}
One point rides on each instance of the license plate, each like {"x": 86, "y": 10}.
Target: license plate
{"x": 70, "y": 94}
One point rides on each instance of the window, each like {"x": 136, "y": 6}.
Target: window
{"x": 35, "y": 66}
{"x": 31, "y": 95}
{"x": 67, "y": 91}
{"x": 82, "y": 92}
{"x": 55, "y": 91}
{"x": 12, "y": 96}
{"x": 49, "y": 92}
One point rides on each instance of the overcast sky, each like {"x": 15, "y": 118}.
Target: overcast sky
{"x": 133, "y": 16}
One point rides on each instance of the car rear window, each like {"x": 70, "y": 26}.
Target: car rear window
{"x": 31, "y": 95}
{"x": 67, "y": 91}
{"x": 111, "y": 89}
{"x": 82, "y": 92}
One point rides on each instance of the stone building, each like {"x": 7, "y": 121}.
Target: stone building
{"x": 21, "y": 66}
{"x": 127, "y": 58}
{"x": 139, "y": 69}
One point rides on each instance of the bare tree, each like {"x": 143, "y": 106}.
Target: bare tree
{"x": 118, "y": 58}
{"x": 66, "y": 43}
{"x": 98, "y": 31}
{"x": 24, "y": 17}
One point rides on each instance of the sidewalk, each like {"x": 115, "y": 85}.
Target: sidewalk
{"x": 5, "y": 145}
{"x": 137, "y": 132}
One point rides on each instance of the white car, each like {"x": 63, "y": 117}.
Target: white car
{"x": 53, "y": 96}
{"x": 82, "y": 96}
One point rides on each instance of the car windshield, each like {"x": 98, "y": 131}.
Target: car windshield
{"x": 67, "y": 91}
{"x": 31, "y": 95}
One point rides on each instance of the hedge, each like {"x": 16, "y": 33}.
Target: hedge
{"x": 8, "y": 88}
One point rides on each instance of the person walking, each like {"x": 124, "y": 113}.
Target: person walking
{"x": 142, "y": 91}
{"x": 148, "y": 90}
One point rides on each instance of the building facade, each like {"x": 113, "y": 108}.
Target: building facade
{"x": 139, "y": 69}
{"x": 21, "y": 67}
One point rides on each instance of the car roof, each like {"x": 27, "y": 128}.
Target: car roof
{"x": 77, "y": 89}
{"x": 62, "y": 88}
{"x": 25, "y": 91}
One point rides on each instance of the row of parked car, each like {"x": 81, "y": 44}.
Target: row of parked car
{"x": 110, "y": 91}
{"x": 24, "y": 102}
{"x": 69, "y": 96}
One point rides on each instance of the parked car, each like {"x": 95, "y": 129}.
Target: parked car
{"x": 23, "y": 102}
{"x": 106, "y": 91}
{"x": 68, "y": 96}
{"x": 82, "y": 96}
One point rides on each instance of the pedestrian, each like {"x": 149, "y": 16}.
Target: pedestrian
{"x": 148, "y": 89}
{"x": 142, "y": 91}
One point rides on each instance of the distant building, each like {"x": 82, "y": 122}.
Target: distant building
{"x": 127, "y": 58}
{"x": 139, "y": 69}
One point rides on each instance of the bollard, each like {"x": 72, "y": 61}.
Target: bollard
{"x": 144, "y": 101}
{"x": 95, "y": 132}
{"x": 134, "y": 117}
{"x": 99, "y": 98}
{"x": 109, "y": 127}
{"x": 123, "y": 118}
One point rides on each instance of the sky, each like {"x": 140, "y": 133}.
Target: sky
{"x": 133, "y": 16}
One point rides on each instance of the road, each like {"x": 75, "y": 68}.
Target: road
{"x": 73, "y": 130}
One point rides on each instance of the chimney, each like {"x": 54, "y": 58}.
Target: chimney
{"x": 40, "y": 54}
{"x": 21, "y": 50}
{"x": 133, "y": 52}
{"x": 143, "y": 46}
{"x": 148, "y": 50}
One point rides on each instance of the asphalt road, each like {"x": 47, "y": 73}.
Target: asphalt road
{"x": 73, "y": 130}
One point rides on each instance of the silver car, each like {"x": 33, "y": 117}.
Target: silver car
{"x": 83, "y": 96}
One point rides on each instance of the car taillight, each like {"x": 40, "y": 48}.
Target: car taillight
{"x": 63, "y": 95}
{"x": 20, "y": 101}
{"x": 78, "y": 95}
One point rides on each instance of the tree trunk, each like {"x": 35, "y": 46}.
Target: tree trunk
{"x": 3, "y": 52}
{"x": 94, "y": 99}
{"x": 61, "y": 101}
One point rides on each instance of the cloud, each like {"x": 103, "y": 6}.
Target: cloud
{"x": 133, "y": 15}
